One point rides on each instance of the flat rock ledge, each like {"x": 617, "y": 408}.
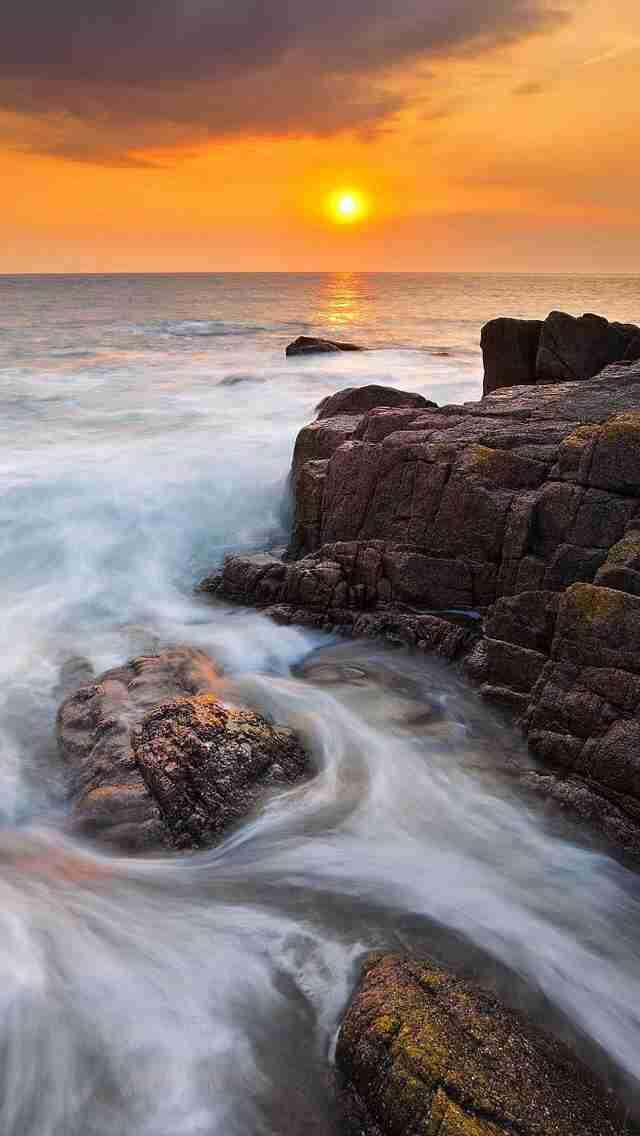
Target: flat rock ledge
{"x": 424, "y": 1051}
{"x": 503, "y": 535}
{"x": 155, "y": 760}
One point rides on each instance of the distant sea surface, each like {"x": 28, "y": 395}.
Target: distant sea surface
{"x": 146, "y": 426}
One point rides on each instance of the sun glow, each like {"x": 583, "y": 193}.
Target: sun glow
{"x": 346, "y": 206}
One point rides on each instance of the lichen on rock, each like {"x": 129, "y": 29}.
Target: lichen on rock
{"x": 156, "y": 759}
{"x": 423, "y": 1050}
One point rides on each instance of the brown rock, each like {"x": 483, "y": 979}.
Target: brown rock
{"x": 598, "y": 627}
{"x": 614, "y": 390}
{"x": 206, "y": 765}
{"x": 520, "y": 500}
{"x": 311, "y": 345}
{"x": 425, "y": 1051}
{"x": 509, "y": 351}
{"x": 621, "y": 569}
{"x": 575, "y": 349}
{"x": 358, "y": 400}
{"x": 632, "y": 354}
{"x": 527, "y": 620}
{"x": 320, "y": 440}
{"x": 110, "y": 738}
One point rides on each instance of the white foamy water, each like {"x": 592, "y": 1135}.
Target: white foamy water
{"x": 147, "y": 425}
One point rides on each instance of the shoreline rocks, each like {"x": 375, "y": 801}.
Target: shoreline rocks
{"x": 524, "y": 509}
{"x": 423, "y": 1050}
{"x": 510, "y": 350}
{"x": 560, "y": 349}
{"x": 155, "y": 760}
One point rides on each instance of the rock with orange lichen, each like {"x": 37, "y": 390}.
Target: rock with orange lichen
{"x": 154, "y": 760}
{"x": 206, "y": 765}
{"x": 424, "y": 1051}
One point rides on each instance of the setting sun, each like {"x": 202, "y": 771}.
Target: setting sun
{"x": 347, "y": 206}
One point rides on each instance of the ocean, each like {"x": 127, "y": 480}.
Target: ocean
{"x": 147, "y": 425}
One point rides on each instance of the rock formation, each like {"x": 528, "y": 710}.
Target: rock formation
{"x": 510, "y": 350}
{"x": 156, "y": 760}
{"x": 358, "y": 400}
{"x": 425, "y": 1051}
{"x": 525, "y": 508}
{"x": 561, "y": 348}
{"x": 310, "y": 345}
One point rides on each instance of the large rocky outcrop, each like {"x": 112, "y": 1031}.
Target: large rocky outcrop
{"x": 523, "y": 508}
{"x": 562, "y": 348}
{"x": 156, "y": 760}
{"x": 424, "y": 1051}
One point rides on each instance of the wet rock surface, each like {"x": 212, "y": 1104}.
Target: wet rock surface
{"x": 311, "y": 345}
{"x": 423, "y": 1050}
{"x": 154, "y": 758}
{"x": 206, "y": 765}
{"x": 523, "y": 509}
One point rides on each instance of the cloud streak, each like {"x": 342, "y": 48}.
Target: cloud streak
{"x": 104, "y": 78}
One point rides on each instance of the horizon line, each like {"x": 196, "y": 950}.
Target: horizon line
{"x": 600, "y": 275}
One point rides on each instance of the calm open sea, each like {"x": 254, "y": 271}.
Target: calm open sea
{"x": 146, "y": 425}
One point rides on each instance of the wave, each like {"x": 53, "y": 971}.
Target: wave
{"x": 206, "y": 328}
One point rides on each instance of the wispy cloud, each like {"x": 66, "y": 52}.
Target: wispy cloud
{"x": 613, "y": 53}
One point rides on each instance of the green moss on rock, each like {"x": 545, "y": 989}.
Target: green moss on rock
{"x": 460, "y": 1064}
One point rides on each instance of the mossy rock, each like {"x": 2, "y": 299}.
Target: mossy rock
{"x": 428, "y": 1053}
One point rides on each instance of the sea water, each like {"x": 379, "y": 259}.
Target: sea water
{"x": 147, "y": 425}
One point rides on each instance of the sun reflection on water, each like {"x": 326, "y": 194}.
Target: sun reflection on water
{"x": 342, "y": 301}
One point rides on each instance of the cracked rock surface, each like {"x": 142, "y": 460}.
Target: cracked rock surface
{"x": 425, "y": 1051}
{"x": 155, "y": 759}
{"x": 524, "y": 509}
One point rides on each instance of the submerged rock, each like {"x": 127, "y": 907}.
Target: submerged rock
{"x": 424, "y": 1051}
{"x": 155, "y": 759}
{"x": 310, "y": 345}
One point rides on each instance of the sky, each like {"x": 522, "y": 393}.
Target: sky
{"x": 213, "y": 135}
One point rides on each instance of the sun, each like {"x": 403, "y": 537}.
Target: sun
{"x": 346, "y": 206}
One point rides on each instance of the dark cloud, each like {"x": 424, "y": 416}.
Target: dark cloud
{"x": 110, "y": 76}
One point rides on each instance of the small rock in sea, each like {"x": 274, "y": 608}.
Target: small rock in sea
{"x": 155, "y": 759}
{"x": 310, "y": 345}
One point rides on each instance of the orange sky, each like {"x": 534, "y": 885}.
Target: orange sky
{"x": 519, "y": 156}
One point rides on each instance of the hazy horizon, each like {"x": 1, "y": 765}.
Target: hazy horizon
{"x": 331, "y": 272}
